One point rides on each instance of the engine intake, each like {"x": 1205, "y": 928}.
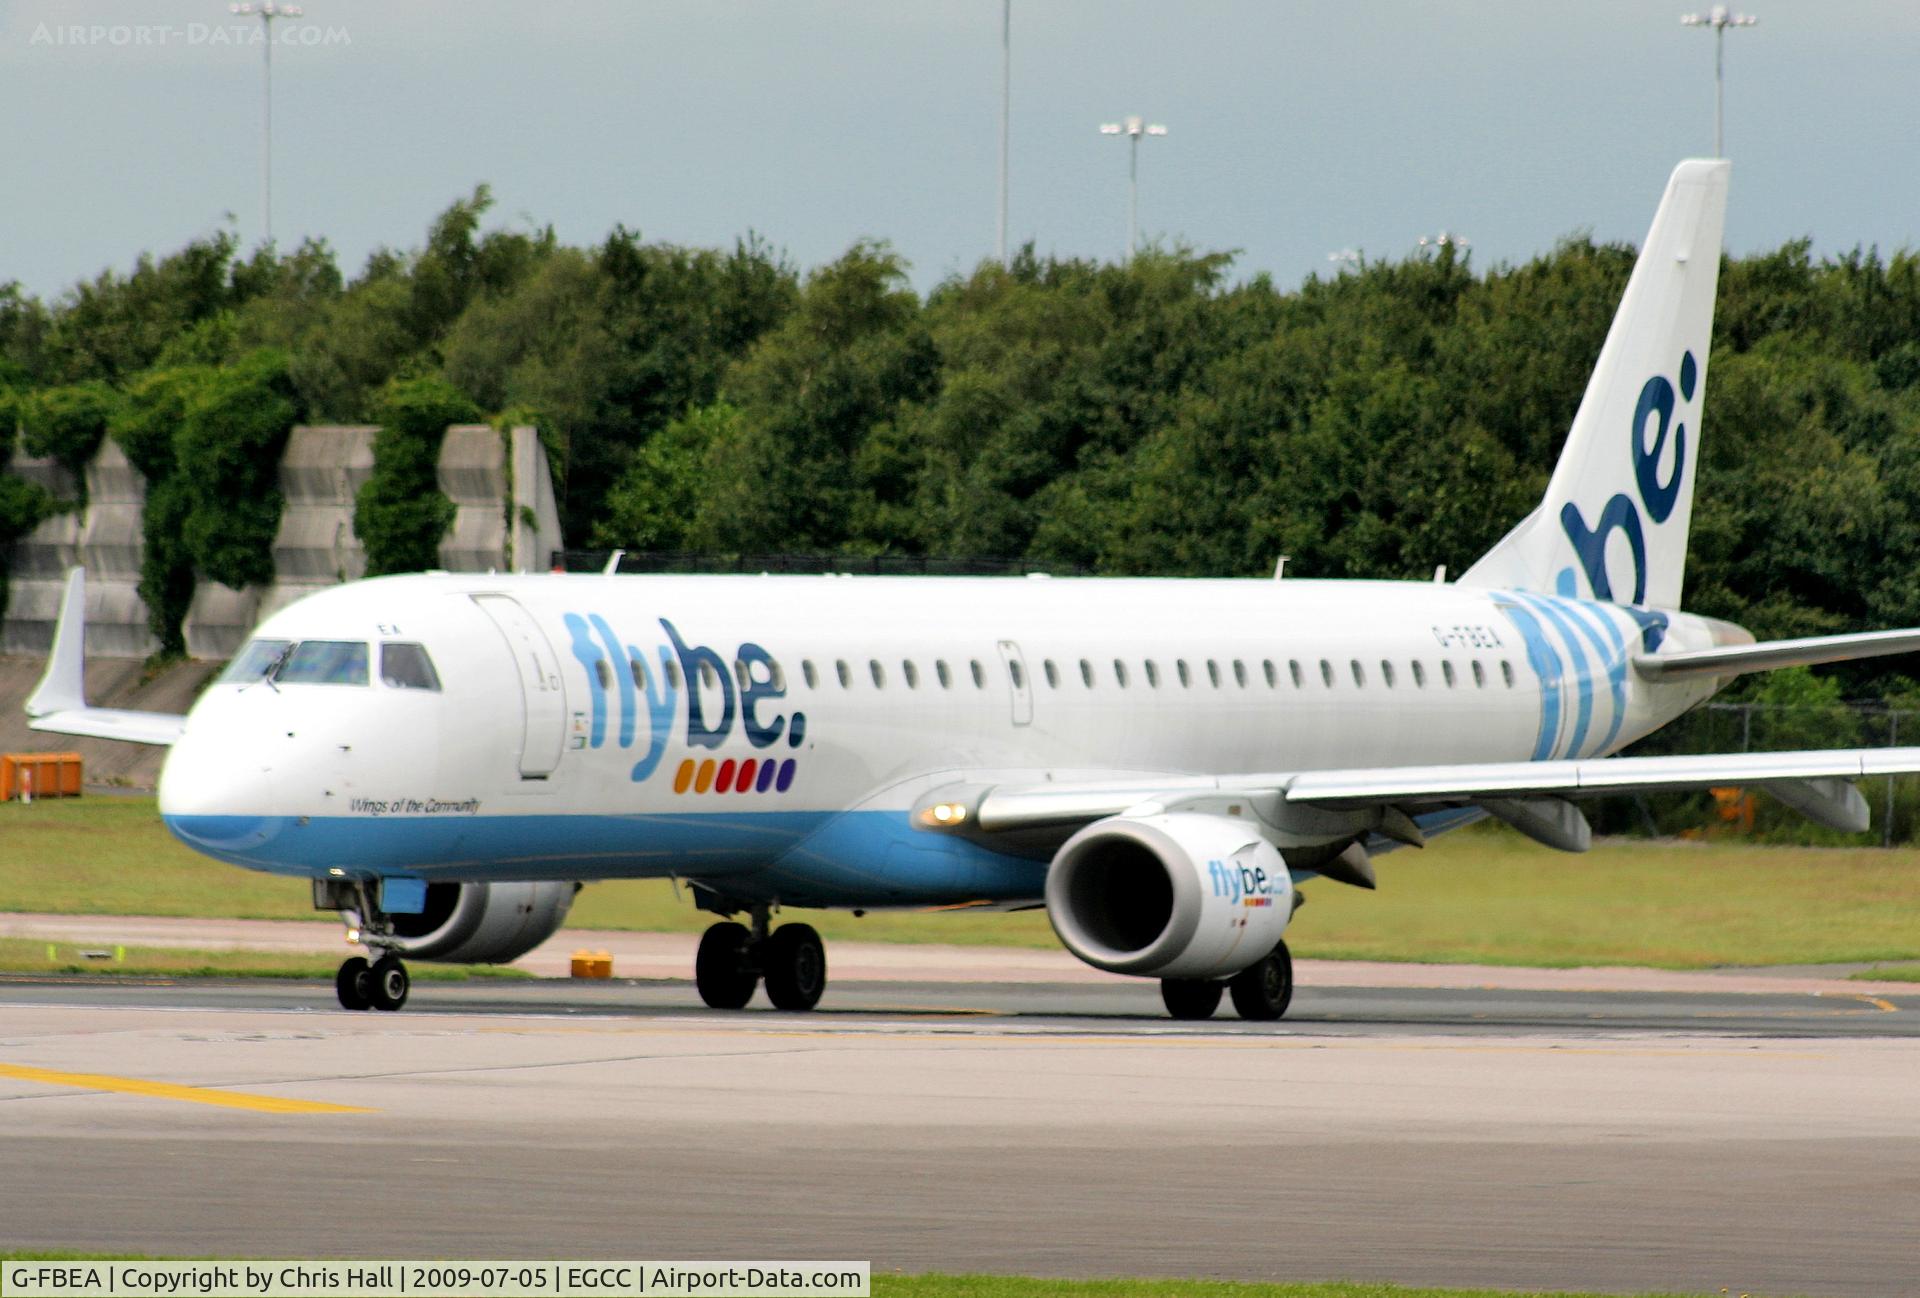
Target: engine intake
{"x": 484, "y": 923}
{"x": 1179, "y": 895}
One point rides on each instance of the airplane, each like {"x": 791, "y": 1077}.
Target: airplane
{"x": 1159, "y": 763}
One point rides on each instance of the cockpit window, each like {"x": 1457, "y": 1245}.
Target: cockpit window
{"x": 325, "y": 662}
{"x": 255, "y": 659}
{"x": 407, "y": 667}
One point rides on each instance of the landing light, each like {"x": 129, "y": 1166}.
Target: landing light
{"x": 353, "y": 937}
{"x": 337, "y": 873}
{"x": 944, "y": 814}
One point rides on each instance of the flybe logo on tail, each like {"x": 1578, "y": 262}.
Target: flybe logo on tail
{"x": 626, "y": 682}
{"x": 1654, "y": 492}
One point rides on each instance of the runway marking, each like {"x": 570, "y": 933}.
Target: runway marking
{"x": 174, "y": 1091}
{"x": 1877, "y": 1003}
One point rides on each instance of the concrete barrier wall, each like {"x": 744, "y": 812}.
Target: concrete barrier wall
{"x": 504, "y": 520}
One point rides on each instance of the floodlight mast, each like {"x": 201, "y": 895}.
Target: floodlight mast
{"x": 267, "y": 11}
{"x": 1133, "y": 128}
{"x": 1719, "y": 18}
{"x": 1006, "y": 110}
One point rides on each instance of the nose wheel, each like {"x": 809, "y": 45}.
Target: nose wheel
{"x": 381, "y": 985}
{"x": 733, "y": 960}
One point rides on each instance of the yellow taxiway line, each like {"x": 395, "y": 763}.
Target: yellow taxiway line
{"x": 173, "y": 1091}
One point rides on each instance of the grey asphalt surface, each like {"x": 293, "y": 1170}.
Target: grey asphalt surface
{"x": 1614, "y": 1141}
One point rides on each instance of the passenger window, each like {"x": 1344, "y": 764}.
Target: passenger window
{"x": 979, "y": 676}
{"x": 1326, "y": 673}
{"x": 709, "y": 678}
{"x": 1293, "y": 670}
{"x": 1180, "y": 666}
{"x": 637, "y": 670}
{"x": 911, "y": 672}
{"x": 1446, "y": 671}
{"x": 940, "y": 670}
{"x": 1240, "y": 673}
{"x": 1120, "y": 673}
{"x": 255, "y": 659}
{"x": 807, "y": 674}
{"x": 1213, "y": 673}
{"x": 878, "y": 673}
{"x": 1386, "y": 673}
{"x": 1153, "y": 674}
{"x": 1273, "y": 678}
{"x": 774, "y": 674}
{"x": 1053, "y": 675}
{"x": 740, "y": 673}
{"x": 1359, "y": 673}
{"x": 1086, "y": 673}
{"x": 1479, "y": 675}
{"x": 601, "y": 672}
{"x": 1506, "y": 672}
{"x": 407, "y": 667}
{"x": 673, "y": 674}
{"x": 325, "y": 662}
{"x": 841, "y": 670}
{"x": 1419, "y": 675}
{"x": 1019, "y": 677}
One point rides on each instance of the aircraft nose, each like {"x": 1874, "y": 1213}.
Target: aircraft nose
{"x": 217, "y": 800}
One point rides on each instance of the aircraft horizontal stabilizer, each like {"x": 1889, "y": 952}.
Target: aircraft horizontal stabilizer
{"x": 1769, "y": 655}
{"x": 59, "y": 703}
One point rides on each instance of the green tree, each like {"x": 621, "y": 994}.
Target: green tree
{"x": 401, "y": 514}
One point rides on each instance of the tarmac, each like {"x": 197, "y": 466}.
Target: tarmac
{"x": 990, "y": 1110}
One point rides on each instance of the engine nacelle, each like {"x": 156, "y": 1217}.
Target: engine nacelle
{"x": 484, "y": 923}
{"x": 1179, "y": 895}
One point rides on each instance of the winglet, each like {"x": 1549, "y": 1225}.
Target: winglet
{"x": 64, "y": 686}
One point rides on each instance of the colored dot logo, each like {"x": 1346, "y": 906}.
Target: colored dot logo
{"x": 729, "y": 776}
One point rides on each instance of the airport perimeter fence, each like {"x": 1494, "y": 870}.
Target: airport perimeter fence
{"x": 1762, "y": 727}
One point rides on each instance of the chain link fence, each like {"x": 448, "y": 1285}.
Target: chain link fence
{"x": 1764, "y": 727}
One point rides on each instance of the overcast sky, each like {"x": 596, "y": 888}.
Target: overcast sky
{"x": 1296, "y": 129}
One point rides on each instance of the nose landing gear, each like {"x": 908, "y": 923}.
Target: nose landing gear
{"x": 383, "y": 983}
{"x": 732, "y": 961}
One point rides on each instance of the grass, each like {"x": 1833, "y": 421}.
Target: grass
{"x": 998, "y": 1286}
{"x": 24, "y": 955}
{"x": 1889, "y": 974}
{"x": 1482, "y": 895}
{"x": 1002, "y": 1286}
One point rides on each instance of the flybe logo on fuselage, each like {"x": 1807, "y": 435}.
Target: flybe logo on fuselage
{"x": 1658, "y": 495}
{"x": 626, "y": 682}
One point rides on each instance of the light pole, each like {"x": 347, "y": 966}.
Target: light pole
{"x": 1133, "y": 128}
{"x": 1719, "y": 18}
{"x": 267, "y": 11}
{"x": 1006, "y": 109}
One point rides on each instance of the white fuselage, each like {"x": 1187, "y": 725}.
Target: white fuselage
{"x": 776, "y": 729}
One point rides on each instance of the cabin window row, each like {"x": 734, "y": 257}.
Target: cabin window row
{"x": 1418, "y": 675}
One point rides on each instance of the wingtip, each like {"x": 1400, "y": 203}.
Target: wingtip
{"x": 63, "y": 687}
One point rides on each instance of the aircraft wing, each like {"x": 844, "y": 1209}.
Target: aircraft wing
{"x": 1526, "y": 794}
{"x": 1732, "y": 660}
{"x": 59, "y": 703}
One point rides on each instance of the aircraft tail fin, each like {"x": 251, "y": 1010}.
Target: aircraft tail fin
{"x": 1613, "y": 524}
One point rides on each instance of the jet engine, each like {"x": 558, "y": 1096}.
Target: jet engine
{"x": 1177, "y": 895}
{"x": 484, "y": 923}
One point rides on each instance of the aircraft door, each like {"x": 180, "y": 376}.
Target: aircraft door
{"x": 1022, "y": 684}
{"x": 542, "y": 695}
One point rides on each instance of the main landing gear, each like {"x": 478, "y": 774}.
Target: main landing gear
{"x": 380, "y": 984}
{"x": 734, "y": 959}
{"x": 1260, "y": 992}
